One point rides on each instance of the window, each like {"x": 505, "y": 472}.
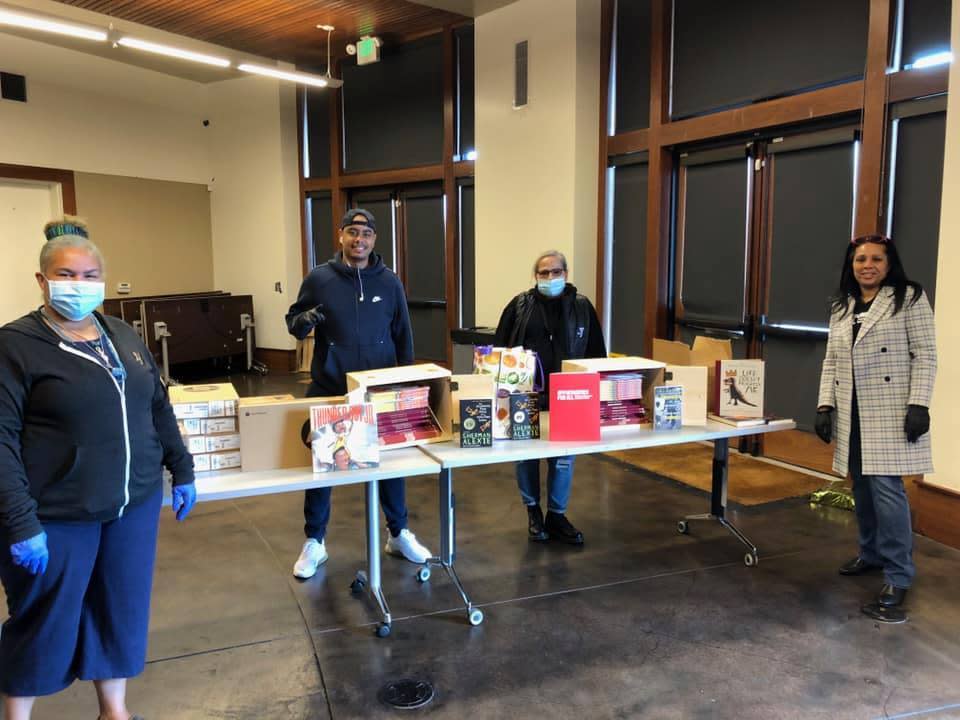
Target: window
{"x": 631, "y": 65}
{"x": 926, "y": 29}
{"x": 465, "y": 81}
{"x": 316, "y": 134}
{"x": 319, "y": 220}
{"x": 629, "y": 253}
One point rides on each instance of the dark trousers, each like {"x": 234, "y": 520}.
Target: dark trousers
{"x": 883, "y": 519}
{"x": 86, "y": 617}
{"x": 316, "y": 502}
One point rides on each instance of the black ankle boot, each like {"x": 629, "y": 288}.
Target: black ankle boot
{"x": 535, "y": 528}
{"x": 559, "y": 528}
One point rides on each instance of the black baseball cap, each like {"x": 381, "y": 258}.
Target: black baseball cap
{"x": 359, "y": 216}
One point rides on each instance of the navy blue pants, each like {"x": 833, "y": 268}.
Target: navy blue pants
{"x": 86, "y": 617}
{"x": 316, "y": 502}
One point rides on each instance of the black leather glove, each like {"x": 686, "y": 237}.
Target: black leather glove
{"x": 824, "y": 424}
{"x": 315, "y": 316}
{"x": 917, "y": 422}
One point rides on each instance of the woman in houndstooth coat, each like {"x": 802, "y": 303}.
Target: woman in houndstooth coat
{"x": 877, "y": 380}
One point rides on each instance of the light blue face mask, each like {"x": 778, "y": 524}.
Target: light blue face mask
{"x": 552, "y": 287}
{"x": 75, "y": 299}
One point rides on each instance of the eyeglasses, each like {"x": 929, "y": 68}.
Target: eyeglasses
{"x": 365, "y": 233}
{"x": 551, "y": 273}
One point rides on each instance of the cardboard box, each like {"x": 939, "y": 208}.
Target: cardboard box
{"x": 217, "y": 461}
{"x": 207, "y": 426}
{"x": 203, "y": 401}
{"x": 270, "y": 430}
{"x": 361, "y": 383}
{"x": 197, "y": 444}
{"x": 693, "y": 380}
{"x": 651, "y": 370}
{"x": 704, "y": 353}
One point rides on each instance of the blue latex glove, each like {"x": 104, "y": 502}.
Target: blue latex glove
{"x": 31, "y": 554}
{"x": 184, "y": 497}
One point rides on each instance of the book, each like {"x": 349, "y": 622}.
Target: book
{"x": 738, "y": 388}
{"x": 574, "y": 406}
{"x": 668, "y": 407}
{"x": 524, "y": 416}
{"x": 344, "y": 437}
{"x": 739, "y": 421}
{"x": 476, "y": 423}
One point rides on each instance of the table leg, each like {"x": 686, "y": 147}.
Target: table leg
{"x": 372, "y": 579}
{"x": 718, "y": 502}
{"x": 448, "y": 545}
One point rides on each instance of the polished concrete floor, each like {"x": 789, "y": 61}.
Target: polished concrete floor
{"x": 639, "y": 623}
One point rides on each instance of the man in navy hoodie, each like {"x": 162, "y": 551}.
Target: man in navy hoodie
{"x": 357, "y": 309}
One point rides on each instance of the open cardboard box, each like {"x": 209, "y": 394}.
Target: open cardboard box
{"x": 270, "y": 431}
{"x": 363, "y": 382}
{"x": 704, "y": 353}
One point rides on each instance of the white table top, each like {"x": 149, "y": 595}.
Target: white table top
{"x": 451, "y": 455}
{"x": 229, "y": 484}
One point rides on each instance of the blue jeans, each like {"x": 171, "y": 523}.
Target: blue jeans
{"x": 883, "y": 518}
{"x": 559, "y": 482}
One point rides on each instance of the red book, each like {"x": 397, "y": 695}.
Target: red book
{"x": 574, "y": 406}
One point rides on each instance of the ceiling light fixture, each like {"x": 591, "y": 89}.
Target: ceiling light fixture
{"x": 169, "y": 51}
{"x": 331, "y": 81}
{"x": 32, "y": 22}
{"x": 297, "y": 77}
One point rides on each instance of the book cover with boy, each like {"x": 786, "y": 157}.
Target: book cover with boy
{"x": 344, "y": 437}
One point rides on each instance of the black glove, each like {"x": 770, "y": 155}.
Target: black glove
{"x": 824, "y": 424}
{"x": 917, "y": 422}
{"x": 315, "y": 316}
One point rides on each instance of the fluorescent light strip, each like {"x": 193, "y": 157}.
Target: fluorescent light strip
{"x": 32, "y": 22}
{"x": 940, "y": 58}
{"x": 303, "y": 78}
{"x": 169, "y": 51}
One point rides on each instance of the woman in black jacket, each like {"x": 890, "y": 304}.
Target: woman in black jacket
{"x": 557, "y": 323}
{"x": 85, "y": 431}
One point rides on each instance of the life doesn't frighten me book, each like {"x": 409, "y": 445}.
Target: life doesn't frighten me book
{"x": 738, "y": 388}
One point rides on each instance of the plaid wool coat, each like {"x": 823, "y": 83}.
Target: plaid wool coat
{"x": 894, "y": 362}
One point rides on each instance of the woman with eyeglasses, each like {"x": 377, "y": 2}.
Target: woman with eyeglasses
{"x": 557, "y": 323}
{"x": 86, "y": 429}
{"x": 877, "y": 382}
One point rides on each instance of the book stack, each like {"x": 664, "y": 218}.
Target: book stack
{"x": 207, "y": 420}
{"x": 621, "y": 399}
{"x": 403, "y": 414}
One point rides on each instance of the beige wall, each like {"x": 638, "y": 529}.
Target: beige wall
{"x": 945, "y": 420}
{"x": 536, "y": 167}
{"x": 255, "y": 199}
{"x": 91, "y": 114}
{"x": 154, "y": 234}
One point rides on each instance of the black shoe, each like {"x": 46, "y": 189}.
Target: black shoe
{"x": 891, "y": 596}
{"x": 535, "y": 528}
{"x": 858, "y": 567}
{"x": 560, "y": 529}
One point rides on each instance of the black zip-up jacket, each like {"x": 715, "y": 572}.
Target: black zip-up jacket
{"x": 72, "y": 446}
{"x": 365, "y": 323}
{"x": 557, "y": 329}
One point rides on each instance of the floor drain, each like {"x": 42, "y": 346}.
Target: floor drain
{"x": 406, "y": 694}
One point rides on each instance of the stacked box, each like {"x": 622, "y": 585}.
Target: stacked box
{"x": 207, "y": 418}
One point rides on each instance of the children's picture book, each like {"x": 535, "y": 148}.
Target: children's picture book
{"x": 668, "y": 407}
{"x": 738, "y": 389}
{"x": 344, "y": 437}
{"x": 476, "y": 423}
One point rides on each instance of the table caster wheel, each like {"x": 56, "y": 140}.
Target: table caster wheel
{"x": 359, "y": 583}
{"x": 751, "y": 560}
{"x": 383, "y": 630}
{"x": 423, "y": 574}
{"x": 475, "y": 617}
{"x": 682, "y": 527}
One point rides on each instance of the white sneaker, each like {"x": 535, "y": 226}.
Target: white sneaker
{"x": 406, "y": 545}
{"x": 313, "y": 555}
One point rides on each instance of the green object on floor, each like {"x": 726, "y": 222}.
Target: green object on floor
{"x": 833, "y": 494}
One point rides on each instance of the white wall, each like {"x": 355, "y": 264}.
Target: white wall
{"x": 255, "y": 199}
{"x": 87, "y": 113}
{"x": 536, "y": 167}
{"x": 945, "y": 420}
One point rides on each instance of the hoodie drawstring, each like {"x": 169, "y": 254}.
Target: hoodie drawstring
{"x": 360, "y": 278}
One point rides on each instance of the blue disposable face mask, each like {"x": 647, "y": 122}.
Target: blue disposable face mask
{"x": 552, "y": 287}
{"x": 75, "y": 299}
